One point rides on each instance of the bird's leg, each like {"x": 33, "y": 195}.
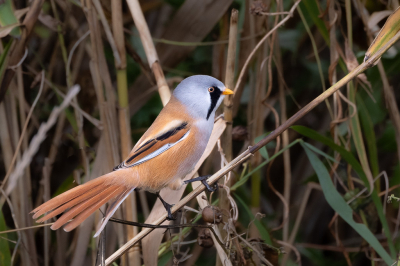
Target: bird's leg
{"x": 203, "y": 179}
{"x": 167, "y": 207}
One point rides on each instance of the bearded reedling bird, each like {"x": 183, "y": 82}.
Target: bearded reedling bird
{"x": 165, "y": 154}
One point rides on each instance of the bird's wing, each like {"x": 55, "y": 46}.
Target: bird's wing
{"x": 148, "y": 148}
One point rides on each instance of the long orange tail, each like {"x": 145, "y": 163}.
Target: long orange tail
{"x": 82, "y": 201}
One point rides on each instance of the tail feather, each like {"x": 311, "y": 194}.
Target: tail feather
{"x": 80, "y": 202}
{"x": 67, "y": 196}
{"x": 70, "y": 204}
{"x": 77, "y": 209}
{"x": 111, "y": 210}
{"x": 92, "y": 208}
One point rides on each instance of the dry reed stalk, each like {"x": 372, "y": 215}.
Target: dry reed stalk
{"x": 25, "y": 181}
{"x": 228, "y": 116}
{"x": 150, "y": 50}
{"x": 241, "y": 75}
{"x": 15, "y": 223}
{"x": 334, "y": 57}
{"x": 129, "y": 204}
{"x": 22, "y": 189}
{"x": 22, "y": 115}
{"x": 111, "y": 40}
{"x": 46, "y": 197}
{"x": 11, "y": 164}
{"x": 285, "y": 141}
{"x": 97, "y": 123}
{"x": 6, "y": 143}
{"x": 38, "y": 139}
{"x": 106, "y": 101}
{"x": 15, "y": 195}
{"x": 85, "y": 230}
{"x": 230, "y": 83}
{"x": 256, "y": 126}
{"x": 251, "y": 150}
{"x": 78, "y": 115}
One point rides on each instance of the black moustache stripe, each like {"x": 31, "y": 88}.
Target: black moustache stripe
{"x": 214, "y": 99}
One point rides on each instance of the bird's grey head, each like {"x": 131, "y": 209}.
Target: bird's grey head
{"x": 201, "y": 94}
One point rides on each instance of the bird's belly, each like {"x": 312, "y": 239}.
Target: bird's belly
{"x": 171, "y": 165}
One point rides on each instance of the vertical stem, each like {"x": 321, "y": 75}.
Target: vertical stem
{"x": 229, "y": 82}
{"x": 46, "y": 197}
{"x": 129, "y": 204}
{"x": 349, "y": 24}
{"x": 228, "y": 104}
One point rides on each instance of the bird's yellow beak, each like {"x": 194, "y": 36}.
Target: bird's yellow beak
{"x": 227, "y": 92}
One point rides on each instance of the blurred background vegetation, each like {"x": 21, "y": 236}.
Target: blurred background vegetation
{"x": 290, "y": 197}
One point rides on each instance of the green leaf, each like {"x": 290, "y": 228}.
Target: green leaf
{"x": 263, "y": 151}
{"x": 5, "y": 256}
{"x": 391, "y": 27}
{"x": 7, "y": 18}
{"x": 263, "y": 232}
{"x": 164, "y": 259}
{"x": 246, "y": 177}
{"x": 346, "y": 155}
{"x": 3, "y": 59}
{"x": 349, "y": 157}
{"x": 336, "y": 201}
{"x": 310, "y": 9}
{"x": 369, "y": 133}
{"x": 311, "y": 147}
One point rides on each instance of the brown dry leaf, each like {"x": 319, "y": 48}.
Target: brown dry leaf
{"x": 36, "y": 80}
{"x": 20, "y": 12}
{"x": 4, "y": 31}
{"x": 240, "y": 133}
{"x": 376, "y": 17}
{"x": 332, "y": 67}
{"x": 258, "y": 7}
{"x": 48, "y": 21}
{"x": 352, "y": 63}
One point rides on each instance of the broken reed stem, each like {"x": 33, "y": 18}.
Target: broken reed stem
{"x": 249, "y": 152}
{"x": 149, "y": 49}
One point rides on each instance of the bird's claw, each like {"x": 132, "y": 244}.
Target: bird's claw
{"x": 203, "y": 180}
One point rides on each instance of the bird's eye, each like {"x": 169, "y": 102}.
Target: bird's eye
{"x": 211, "y": 89}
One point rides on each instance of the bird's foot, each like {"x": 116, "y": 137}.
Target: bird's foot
{"x": 167, "y": 207}
{"x": 203, "y": 179}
